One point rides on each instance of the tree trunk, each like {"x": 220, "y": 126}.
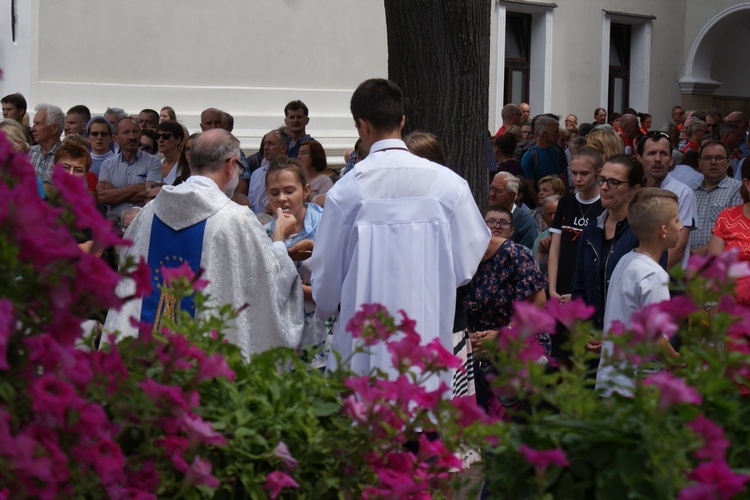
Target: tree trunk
{"x": 439, "y": 54}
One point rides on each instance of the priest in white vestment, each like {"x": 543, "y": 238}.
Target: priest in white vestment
{"x": 397, "y": 230}
{"x": 197, "y": 223}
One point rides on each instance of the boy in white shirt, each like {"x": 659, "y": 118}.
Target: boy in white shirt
{"x": 638, "y": 279}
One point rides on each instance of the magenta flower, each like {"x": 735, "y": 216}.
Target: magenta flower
{"x": 201, "y": 431}
{"x": 672, "y": 390}
{"x": 100, "y": 283}
{"x": 356, "y": 410}
{"x": 407, "y": 352}
{"x": 651, "y": 322}
{"x": 699, "y": 492}
{"x": 6, "y": 331}
{"x": 171, "y": 396}
{"x": 530, "y": 320}
{"x": 469, "y": 411}
{"x": 719, "y": 475}
{"x": 678, "y": 307}
{"x": 568, "y": 313}
{"x": 715, "y": 442}
{"x": 439, "y": 357}
{"x": 542, "y": 459}
{"x": 52, "y": 395}
{"x": 277, "y": 481}
{"x": 141, "y": 275}
{"x": 108, "y": 461}
{"x": 82, "y": 205}
{"x": 370, "y": 324}
{"x": 173, "y": 274}
{"x": 199, "y": 473}
{"x": 282, "y": 451}
{"x": 92, "y": 422}
{"x": 214, "y": 366}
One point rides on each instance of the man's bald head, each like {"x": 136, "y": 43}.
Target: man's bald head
{"x": 629, "y": 126}
{"x": 211, "y": 149}
{"x": 511, "y": 113}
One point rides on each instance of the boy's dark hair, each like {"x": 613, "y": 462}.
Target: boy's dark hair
{"x": 17, "y": 99}
{"x": 80, "y": 109}
{"x": 380, "y": 102}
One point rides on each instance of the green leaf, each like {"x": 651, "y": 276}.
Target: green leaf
{"x": 325, "y": 408}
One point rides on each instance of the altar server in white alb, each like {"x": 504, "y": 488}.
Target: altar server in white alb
{"x": 397, "y": 230}
{"x": 197, "y": 223}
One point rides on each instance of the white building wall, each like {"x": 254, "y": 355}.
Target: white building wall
{"x": 251, "y": 57}
{"x": 247, "y": 57}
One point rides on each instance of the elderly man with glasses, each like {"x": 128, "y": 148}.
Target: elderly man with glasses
{"x": 714, "y": 194}
{"x": 195, "y": 224}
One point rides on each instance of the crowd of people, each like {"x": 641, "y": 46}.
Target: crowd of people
{"x": 298, "y": 248}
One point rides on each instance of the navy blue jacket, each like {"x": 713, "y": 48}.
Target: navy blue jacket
{"x": 587, "y": 283}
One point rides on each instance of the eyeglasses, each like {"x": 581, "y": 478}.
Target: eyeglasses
{"x": 717, "y": 158}
{"x": 146, "y": 147}
{"x": 239, "y": 164}
{"x": 611, "y": 183}
{"x": 166, "y": 136}
{"x": 503, "y": 224}
{"x": 99, "y": 134}
{"x": 570, "y": 122}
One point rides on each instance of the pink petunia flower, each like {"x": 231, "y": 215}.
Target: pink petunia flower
{"x": 672, "y": 390}
{"x": 214, "y": 366}
{"x": 108, "y": 461}
{"x": 201, "y": 432}
{"x": 356, "y": 410}
{"x": 651, "y": 322}
{"x": 52, "y": 395}
{"x": 282, "y": 451}
{"x": 530, "y": 320}
{"x": 715, "y": 442}
{"x": 141, "y": 275}
{"x": 568, "y": 313}
{"x": 368, "y": 323}
{"x": 469, "y": 411}
{"x": 84, "y": 209}
{"x": 277, "y": 481}
{"x": 719, "y": 475}
{"x": 199, "y": 473}
{"x": 542, "y": 459}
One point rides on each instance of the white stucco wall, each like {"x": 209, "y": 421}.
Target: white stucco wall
{"x": 247, "y": 57}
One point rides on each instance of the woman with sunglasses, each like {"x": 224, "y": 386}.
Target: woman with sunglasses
{"x": 506, "y": 274}
{"x": 170, "y": 138}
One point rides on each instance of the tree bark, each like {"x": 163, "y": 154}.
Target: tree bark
{"x": 439, "y": 54}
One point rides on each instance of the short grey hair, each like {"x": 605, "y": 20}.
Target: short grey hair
{"x": 55, "y": 115}
{"x": 211, "y": 149}
{"x": 543, "y": 124}
{"x": 694, "y": 125}
{"x": 550, "y": 199}
{"x": 512, "y": 181}
{"x": 283, "y": 136}
{"x": 120, "y": 113}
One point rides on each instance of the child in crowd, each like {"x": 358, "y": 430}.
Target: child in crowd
{"x": 573, "y": 214}
{"x": 288, "y": 188}
{"x": 638, "y": 279}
